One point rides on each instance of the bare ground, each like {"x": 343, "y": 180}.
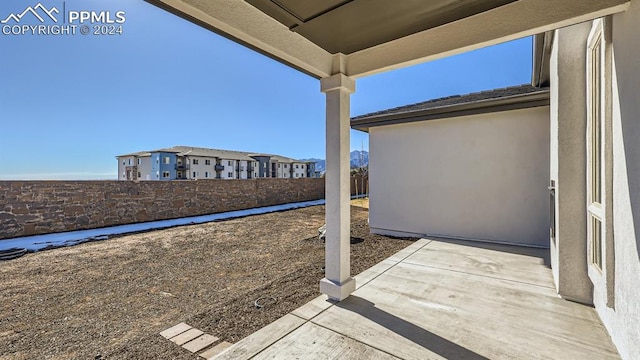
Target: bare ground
{"x": 110, "y": 299}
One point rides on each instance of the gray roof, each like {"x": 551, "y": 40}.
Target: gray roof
{"x": 138, "y": 154}
{"x": 510, "y": 98}
{"x": 213, "y": 153}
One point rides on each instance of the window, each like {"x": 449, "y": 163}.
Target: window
{"x": 166, "y": 160}
{"x": 165, "y": 175}
{"x": 229, "y": 162}
{"x": 139, "y": 175}
{"x": 595, "y": 143}
{"x": 230, "y": 175}
{"x": 123, "y": 163}
{"x": 195, "y": 174}
{"x": 278, "y": 166}
{"x": 207, "y": 162}
{"x": 195, "y": 161}
{"x": 206, "y": 173}
{"x": 129, "y": 161}
{"x": 296, "y": 166}
{"x": 255, "y": 174}
{"x": 139, "y": 161}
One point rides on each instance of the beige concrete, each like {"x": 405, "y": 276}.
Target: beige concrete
{"x": 200, "y": 343}
{"x": 480, "y": 176}
{"x": 211, "y": 353}
{"x": 175, "y": 330}
{"x": 338, "y": 283}
{"x": 315, "y": 342}
{"x": 186, "y": 336}
{"x": 313, "y": 308}
{"x": 568, "y": 162}
{"x": 248, "y": 347}
{"x": 449, "y": 300}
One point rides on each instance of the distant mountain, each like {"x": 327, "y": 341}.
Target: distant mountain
{"x": 358, "y": 158}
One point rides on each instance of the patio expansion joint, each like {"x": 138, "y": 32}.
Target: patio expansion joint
{"x": 391, "y": 267}
{"x": 356, "y": 340}
{"x": 479, "y": 275}
{"x": 267, "y": 346}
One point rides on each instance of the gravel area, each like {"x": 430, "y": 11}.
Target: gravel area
{"x": 110, "y": 299}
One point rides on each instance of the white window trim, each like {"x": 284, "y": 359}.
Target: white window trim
{"x": 602, "y": 277}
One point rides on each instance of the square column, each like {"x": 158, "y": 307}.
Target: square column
{"x": 338, "y": 283}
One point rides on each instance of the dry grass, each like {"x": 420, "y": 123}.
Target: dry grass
{"x": 362, "y": 202}
{"x": 112, "y": 298}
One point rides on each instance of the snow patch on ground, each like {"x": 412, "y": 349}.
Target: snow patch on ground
{"x": 48, "y": 241}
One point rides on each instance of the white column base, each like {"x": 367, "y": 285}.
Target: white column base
{"x": 337, "y": 291}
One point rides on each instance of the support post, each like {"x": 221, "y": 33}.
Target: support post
{"x": 337, "y": 283}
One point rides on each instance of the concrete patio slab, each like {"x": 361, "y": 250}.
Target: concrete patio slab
{"x": 313, "y": 308}
{"x": 211, "y": 353}
{"x": 315, "y": 342}
{"x": 256, "y": 342}
{"x": 444, "y": 300}
{"x": 501, "y": 261}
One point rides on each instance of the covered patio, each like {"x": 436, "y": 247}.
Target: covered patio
{"x": 440, "y": 299}
{"x": 338, "y": 41}
{"x": 436, "y": 299}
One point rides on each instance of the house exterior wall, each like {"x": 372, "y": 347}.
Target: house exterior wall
{"x": 229, "y": 171}
{"x": 299, "y": 170}
{"x": 614, "y": 290}
{"x": 622, "y": 319}
{"x": 124, "y": 163}
{"x": 568, "y": 162}
{"x": 144, "y": 167}
{"x": 480, "y": 177}
{"x": 159, "y": 166}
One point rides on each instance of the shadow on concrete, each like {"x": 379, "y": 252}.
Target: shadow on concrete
{"x": 543, "y": 254}
{"x": 409, "y": 331}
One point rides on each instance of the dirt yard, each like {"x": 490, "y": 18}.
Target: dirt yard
{"x": 110, "y": 299}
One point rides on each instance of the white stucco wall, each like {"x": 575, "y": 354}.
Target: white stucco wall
{"x": 623, "y": 319}
{"x": 480, "y": 177}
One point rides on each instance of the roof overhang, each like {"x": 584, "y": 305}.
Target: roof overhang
{"x": 521, "y": 101}
{"x": 541, "y": 73}
{"x": 355, "y": 38}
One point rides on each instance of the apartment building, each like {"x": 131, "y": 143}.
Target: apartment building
{"x": 193, "y": 163}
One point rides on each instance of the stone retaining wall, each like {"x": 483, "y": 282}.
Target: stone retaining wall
{"x": 40, "y": 207}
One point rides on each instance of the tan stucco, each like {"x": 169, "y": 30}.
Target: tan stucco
{"x": 481, "y": 177}
{"x": 568, "y": 162}
{"x": 622, "y": 319}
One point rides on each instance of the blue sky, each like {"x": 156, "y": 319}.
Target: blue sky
{"x": 70, "y": 104}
